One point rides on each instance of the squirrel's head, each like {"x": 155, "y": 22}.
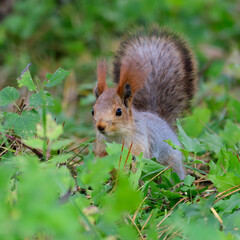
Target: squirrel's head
{"x": 112, "y": 112}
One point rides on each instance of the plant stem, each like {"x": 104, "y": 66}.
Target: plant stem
{"x": 17, "y": 107}
{"x": 44, "y": 131}
{"x": 40, "y": 155}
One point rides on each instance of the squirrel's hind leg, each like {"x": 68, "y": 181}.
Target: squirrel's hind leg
{"x": 177, "y": 167}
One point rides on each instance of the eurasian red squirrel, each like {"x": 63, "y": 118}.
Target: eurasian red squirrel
{"x": 156, "y": 76}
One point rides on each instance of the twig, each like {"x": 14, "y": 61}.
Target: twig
{"x": 164, "y": 231}
{"x": 6, "y": 149}
{"x": 40, "y": 155}
{"x": 135, "y": 214}
{"x": 121, "y": 154}
{"x": 226, "y": 195}
{"x": 227, "y": 190}
{"x": 223, "y": 168}
{"x": 238, "y": 157}
{"x": 136, "y": 227}
{"x": 216, "y": 215}
{"x": 174, "y": 234}
{"x": 144, "y": 225}
{"x": 128, "y": 154}
{"x": 165, "y": 169}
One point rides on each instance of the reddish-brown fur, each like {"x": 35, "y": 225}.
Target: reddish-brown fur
{"x": 134, "y": 73}
{"x": 101, "y": 75}
{"x": 173, "y": 78}
{"x": 156, "y": 78}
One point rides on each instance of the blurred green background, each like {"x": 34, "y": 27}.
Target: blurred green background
{"x": 73, "y": 34}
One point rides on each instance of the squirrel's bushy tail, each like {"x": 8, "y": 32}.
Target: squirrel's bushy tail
{"x": 172, "y": 80}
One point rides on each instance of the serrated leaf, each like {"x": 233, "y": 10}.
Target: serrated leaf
{"x": 95, "y": 177}
{"x": 189, "y": 180}
{"x": 115, "y": 148}
{"x": 212, "y": 142}
{"x": 56, "y": 78}
{"x": 60, "y": 144}
{"x": 228, "y": 205}
{"x": 190, "y": 144}
{"x": 231, "y": 133}
{"x": 53, "y": 130}
{"x": 225, "y": 182}
{"x": 61, "y": 158}
{"x": 26, "y": 79}
{"x": 34, "y": 143}
{"x": 175, "y": 146}
{"x": 24, "y": 125}
{"x": 151, "y": 167}
{"x": 38, "y": 99}
{"x": 124, "y": 199}
{"x": 170, "y": 195}
{"x": 194, "y": 124}
{"x": 8, "y": 95}
{"x": 234, "y": 109}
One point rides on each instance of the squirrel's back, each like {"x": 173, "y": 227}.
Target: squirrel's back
{"x": 172, "y": 80}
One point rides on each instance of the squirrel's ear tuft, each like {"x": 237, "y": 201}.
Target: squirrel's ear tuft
{"x": 101, "y": 76}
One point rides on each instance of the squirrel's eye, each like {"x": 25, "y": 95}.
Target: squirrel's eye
{"x": 92, "y": 112}
{"x": 119, "y": 112}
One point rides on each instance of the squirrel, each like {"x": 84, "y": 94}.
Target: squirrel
{"x": 155, "y": 73}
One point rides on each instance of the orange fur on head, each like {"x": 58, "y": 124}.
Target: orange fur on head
{"x": 101, "y": 76}
{"x": 134, "y": 73}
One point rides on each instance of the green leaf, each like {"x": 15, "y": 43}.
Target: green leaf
{"x": 115, "y": 148}
{"x": 231, "y": 133}
{"x": 170, "y": 195}
{"x": 56, "y": 78}
{"x": 175, "y": 146}
{"x": 189, "y": 180}
{"x": 227, "y": 205}
{"x": 194, "y": 124}
{"x": 24, "y": 125}
{"x": 150, "y": 167}
{"x": 212, "y": 142}
{"x": 234, "y": 109}
{"x": 26, "y": 79}
{"x": 225, "y": 182}
{"x": 124, "y": 199}
{"x": 191, "y": 144}
{"x": 38, "y": 99}
{"x": 97, "y": 171}
{"x": 34, "y": 143}
{"x": 60, "y": 144}
{"x": 61, "y": 158}
{"x": 8, "y": 95}
{"x": 54, "y": 130}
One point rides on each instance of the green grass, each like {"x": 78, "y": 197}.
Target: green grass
{"x": 52, "y": 186}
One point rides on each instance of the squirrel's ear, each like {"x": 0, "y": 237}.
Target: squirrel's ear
{"x": 127, "y": 94}
{"x": 101, "y": 76}
{"x": 133, "y": 75}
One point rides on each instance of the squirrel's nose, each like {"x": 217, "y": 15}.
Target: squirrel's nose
{"x": 101, "y": 127}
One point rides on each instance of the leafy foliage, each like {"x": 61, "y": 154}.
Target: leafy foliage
{"x": 8, "y": 95}
{"x": 60, "y": 193}
{"x": 52, "y": 184}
